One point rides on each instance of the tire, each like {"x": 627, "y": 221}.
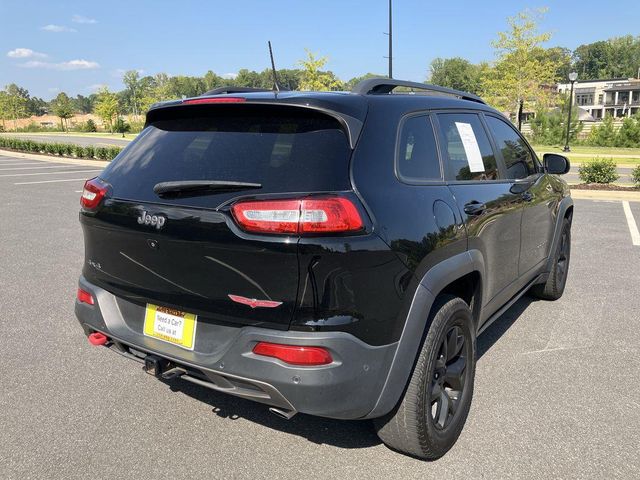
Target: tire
{"x": 553, "y": 288}
{"x": 411, "y": 427}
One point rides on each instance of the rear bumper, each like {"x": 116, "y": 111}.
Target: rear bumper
{"x": 347, "y": 388}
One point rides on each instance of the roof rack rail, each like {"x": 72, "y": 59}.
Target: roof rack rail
{"x": 223, "y": 90}
{"x": 384, "y": 85}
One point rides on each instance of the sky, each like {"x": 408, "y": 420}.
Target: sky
{"x": 78, "y": 46}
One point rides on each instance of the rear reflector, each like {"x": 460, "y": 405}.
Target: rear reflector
{"x": 294, "y": 354}
{"x": 85, "y": 297}
{"x": 309, "y": 215}
{"x": 193, "y": 101}
{"x": 92, "y": 194}
{"x": 97, "y": 339}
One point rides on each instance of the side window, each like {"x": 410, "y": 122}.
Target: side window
{"x": 517, "y": 157}
{"x": 417, "y": 152}
{"x": 466, "y": 147}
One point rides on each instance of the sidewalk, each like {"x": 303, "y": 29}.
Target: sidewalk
{"x": 54, "y": 158}
{"x": 605, "y": 195}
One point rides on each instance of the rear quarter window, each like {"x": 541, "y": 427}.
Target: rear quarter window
{"x": 417, "y": 153}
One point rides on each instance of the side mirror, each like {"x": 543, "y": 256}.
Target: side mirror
{"x": 556, "y": 164}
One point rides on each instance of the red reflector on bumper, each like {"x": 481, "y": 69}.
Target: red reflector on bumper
{"x": 294, "y": 354}
{"x": 85, "y": 297}
{"x": 97, "y": 339}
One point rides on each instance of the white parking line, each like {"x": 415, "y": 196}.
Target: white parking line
{"x": 53, "y": 181}
{"x": 36, "y": 168}
{"x": 47, "y": 173}
{"x": 633, "y": 228}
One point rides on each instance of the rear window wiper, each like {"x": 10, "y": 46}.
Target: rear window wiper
{"x": 200, "y": 187}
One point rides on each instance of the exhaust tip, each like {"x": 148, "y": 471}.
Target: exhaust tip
{"x": 286, "y": 414}
{"x": 98, "y": 339}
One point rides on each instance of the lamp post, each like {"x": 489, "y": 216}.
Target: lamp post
{"x": 573, "y": 76}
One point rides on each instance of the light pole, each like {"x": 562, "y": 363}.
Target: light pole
{"x": 390, "y": 56}
{"x": 573, "y": 76}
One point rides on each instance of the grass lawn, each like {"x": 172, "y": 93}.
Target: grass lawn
{"x": 582, "y": 153}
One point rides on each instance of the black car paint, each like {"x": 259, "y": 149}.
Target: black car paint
{"x": 377, "y": 286}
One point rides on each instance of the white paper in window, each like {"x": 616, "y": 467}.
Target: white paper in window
{"x": 471, "y": 148}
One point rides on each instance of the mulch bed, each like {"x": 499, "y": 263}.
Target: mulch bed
{"x": 604, "y": 186}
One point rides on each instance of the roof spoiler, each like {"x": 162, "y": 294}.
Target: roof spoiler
{"x": 230, "y": 89}
{"x": 382, "y": 86}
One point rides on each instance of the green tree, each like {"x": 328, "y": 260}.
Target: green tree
{"x": 348, "y": 86}
{"x": 4, "y": 108}
{"x": 212, "y": 80}
{"x": 549, "y": 127}
{"x": 36, "y": 106}
{"x": 62, "y": 108}
{"x": 313, "y": 78}
{"x": 522, "y": 70}
{"x": 629, "y": 133}
{"x": 559, "y": 56}
{"x": 131, "y": 80}
{"x": 603, "y": 135}
{"x": 89, "y": 126}
{"x": 457, "y": 73}
{"x": 121, "y": 126}
{"x": 17, "y": 99}
{"x": 83, "y": 104}
{"x": 617, "y": 57}
{"x": 106, "y": 107}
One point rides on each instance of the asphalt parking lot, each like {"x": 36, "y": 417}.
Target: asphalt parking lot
{"x": 557, "y": 388}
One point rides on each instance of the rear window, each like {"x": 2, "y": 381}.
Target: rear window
{"x": 286, "y": 149}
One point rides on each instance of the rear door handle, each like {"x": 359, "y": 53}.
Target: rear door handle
{"x": 474, "y": 208}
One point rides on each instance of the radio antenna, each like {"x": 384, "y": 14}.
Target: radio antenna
{"x": 276, "y": 87}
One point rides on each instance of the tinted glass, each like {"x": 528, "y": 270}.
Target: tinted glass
{"x": 466, "y": 147}
{"x": 284, "y": 149}
{"x": 417, "y": 152}
{"x": 517, "y": 156}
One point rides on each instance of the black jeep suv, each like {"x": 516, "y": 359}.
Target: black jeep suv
{"x": 335, "y": 254}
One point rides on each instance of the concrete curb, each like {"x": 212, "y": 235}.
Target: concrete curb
{"x": 54, "y": 159}
{"x": 605, "y": 195}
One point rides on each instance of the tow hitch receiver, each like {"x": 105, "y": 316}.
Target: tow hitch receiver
{"x": 161, "y": 368}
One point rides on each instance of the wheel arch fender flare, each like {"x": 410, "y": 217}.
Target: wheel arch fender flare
{"x": 417, "y": 324}
{"x": 565, "y": 204}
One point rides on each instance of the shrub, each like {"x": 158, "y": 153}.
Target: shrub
{"x": 549, "y": 127}
{"x": 635, "y": 176}
{"x": 102, "y": 153}
{"x": 89, "y": 151}
{"x": 50, "y": 148}
{"x": 69, "y": 149}
{"x": 89, "y": 126}
{"x": 113, "y": 152}
{"x": 629, "y": 133}
{"x": 121, "y": 126}
{"x": 599, "y": 170}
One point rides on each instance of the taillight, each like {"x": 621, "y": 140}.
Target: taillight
{"x": 196, "y": 101}
{"x": 309, "y": 215}
{"x": 294, "y": 354}
{"x": 85, "y": 297}
{"x": 92, "y": 194}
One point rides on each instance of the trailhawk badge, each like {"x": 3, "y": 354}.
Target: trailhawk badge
{"x": 253, "y": 303}
{"x": 153, "y": 220}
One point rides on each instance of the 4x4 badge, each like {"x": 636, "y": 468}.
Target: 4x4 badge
{"x": 253, "y": 303}
{"x": 153, "y": 220}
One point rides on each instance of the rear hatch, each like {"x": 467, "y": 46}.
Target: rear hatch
{"x": 183, "y": 248}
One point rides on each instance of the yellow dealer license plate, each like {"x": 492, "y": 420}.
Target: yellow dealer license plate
{"x": 170, "y": 325}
